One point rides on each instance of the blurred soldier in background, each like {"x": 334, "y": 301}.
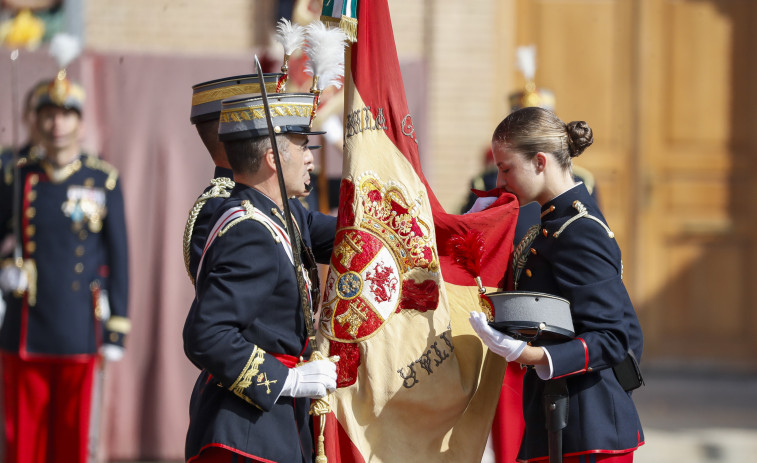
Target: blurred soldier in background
{"x": 66, "y": 286}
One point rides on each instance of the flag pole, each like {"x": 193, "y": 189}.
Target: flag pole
{"x": 17, "y": 249}
{"x": 293, "y": 235}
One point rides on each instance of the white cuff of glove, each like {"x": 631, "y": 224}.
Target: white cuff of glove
{"x": 499, "y": 343}
{"x": 314, "y": 379}
{"x": 545, "y": 372}
{"x": 112, "y": 352}
{"x": 482, "y": 203}
{"x": 13, "y": 279}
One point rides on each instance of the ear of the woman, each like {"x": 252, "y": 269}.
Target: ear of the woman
{"x": 540, "y": 161}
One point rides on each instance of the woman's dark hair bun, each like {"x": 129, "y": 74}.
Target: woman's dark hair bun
{"x": 580, "y": 137}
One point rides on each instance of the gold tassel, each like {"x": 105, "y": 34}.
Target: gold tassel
{"x": 320, "y": 408}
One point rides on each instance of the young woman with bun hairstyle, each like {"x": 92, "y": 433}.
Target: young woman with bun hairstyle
{"x": 571, "y": 254}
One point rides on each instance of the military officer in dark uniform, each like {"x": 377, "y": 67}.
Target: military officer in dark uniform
{"x": 66, "y": 290}
{"x": 206, "y": 107}
{"x": 572, "y": 254}
{"x": 246, "y": 327}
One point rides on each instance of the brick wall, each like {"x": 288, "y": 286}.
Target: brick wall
{"x": 178, "y": 26}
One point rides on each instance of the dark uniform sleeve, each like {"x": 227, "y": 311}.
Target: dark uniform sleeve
{"x": 114, "y": 228}
{"x": 322, "y": 233}
{"x": 233, "y": 288}
{"x": 587, "y": 268}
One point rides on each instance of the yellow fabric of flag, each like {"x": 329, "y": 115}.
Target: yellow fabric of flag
{"x": 415, "y": 383}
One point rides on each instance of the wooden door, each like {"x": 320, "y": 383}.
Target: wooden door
{"x": 667, "y": 87}
{"x": 697, "y": 138}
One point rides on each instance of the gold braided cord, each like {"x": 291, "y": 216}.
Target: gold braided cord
{"x": 583, "y": 212}
{"x": 220, "y": 188}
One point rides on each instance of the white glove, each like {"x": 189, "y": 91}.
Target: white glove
{"x": 482, "y": 203}
{"x": 13, "y": 279}
{"x": 112, "y": 352}
{"x": 499, "y": 343}
{"x": 314, "y": 379}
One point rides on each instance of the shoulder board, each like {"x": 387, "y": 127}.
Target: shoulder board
{"x": 96, "y": 163}
{"x": 235, "y": 216}
{"x": 253, "y": 214}
{"x": 582, "y": 213}
{"x": 8, "y": 168}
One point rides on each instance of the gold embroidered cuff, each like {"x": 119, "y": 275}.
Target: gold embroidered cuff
{"x": 118, "y": 324}
{"x": 244, "y": 380}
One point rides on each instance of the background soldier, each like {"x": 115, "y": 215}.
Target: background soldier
{"x": 66, "y": 294}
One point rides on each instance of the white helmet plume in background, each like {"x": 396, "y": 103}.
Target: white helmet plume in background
{"x": 64, "y": 48}
{"x": 324, "y": 48}
{"x": 526, "y": 61}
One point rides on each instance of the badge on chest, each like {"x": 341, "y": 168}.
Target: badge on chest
{"x": 85, "y": 205}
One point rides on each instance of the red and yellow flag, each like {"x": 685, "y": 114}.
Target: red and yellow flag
{"x": 414, "y": 381}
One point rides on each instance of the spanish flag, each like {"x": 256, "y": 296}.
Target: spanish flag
{"x": 415, "y": 383}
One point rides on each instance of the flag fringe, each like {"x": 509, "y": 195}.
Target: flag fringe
{"x": 346, "y": 23}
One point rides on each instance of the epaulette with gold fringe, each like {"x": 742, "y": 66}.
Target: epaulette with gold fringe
{"x": 96, "y": 163}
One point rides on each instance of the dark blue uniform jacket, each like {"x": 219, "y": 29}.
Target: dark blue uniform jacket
{"x": 248, "y": 309}
{"x": 578, "y": 259}
{"x": 74, "y": 232}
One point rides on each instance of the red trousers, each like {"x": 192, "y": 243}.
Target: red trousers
{"x": 47, "y": 408}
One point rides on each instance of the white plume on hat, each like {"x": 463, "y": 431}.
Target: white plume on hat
{"x": 64, "y": 48}
{"x": 290, "y": 35}
{"x": 324, "y": 48}
{"x": 526, "y": 61}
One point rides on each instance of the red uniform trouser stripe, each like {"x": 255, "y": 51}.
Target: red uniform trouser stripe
{"x": 600, "y": 458}
{"x": 593, "y": 458}
{"x": 47, "y": 407}
{"x": 219, "y": 454}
